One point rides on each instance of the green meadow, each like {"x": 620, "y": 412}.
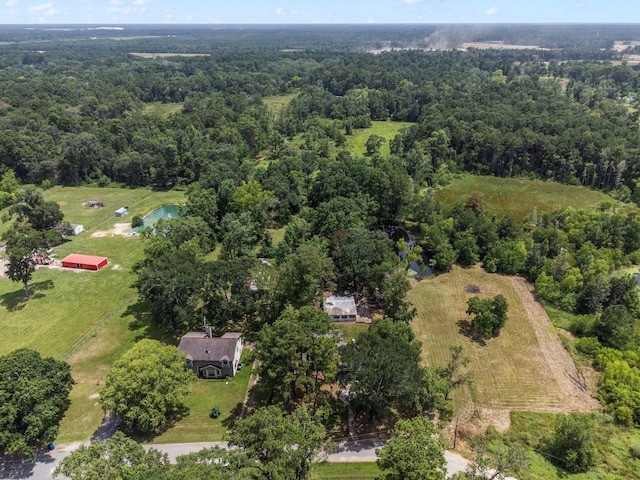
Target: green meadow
{"x": 518, "y": 196}
{"x": 91, "y": 318}
{"x": 356, "y": 142}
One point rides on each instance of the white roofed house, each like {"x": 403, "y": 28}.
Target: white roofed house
{"x": 341, "y": 309}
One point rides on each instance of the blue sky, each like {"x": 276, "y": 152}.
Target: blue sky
{"x": 319, "y": 11}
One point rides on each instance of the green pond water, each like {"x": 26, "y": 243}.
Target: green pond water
{"x": 166, "y": 211}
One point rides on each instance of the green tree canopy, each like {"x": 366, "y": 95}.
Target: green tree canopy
{"x": 298, "y": 354}
{"x": 24, "y": 244}
{"x": 284, "y": 445}
{"x": 34, "y": 395}
{"x": 146, "y": 387}
{"x": 413, "y": 453}
{"x": 118, "y": 457}
{"x": 490, "y": 314}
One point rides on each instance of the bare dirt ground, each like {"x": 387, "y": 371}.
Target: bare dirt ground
{"x": 118, "y": 229}
{"x": 499, "y": 45}
{"x": 574, "y": 384}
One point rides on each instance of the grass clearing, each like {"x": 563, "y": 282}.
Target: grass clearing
{"x": 347, "y": 471}
{"x": 83, "y": 316}
{"x": 524, "y": 368}
{"x": 164, "y": 110}
{"x": 197, "y": 426}
{"x": 518, "y": 197}
{"x": 356, "y": 143}
{"x": 278, "y": 102}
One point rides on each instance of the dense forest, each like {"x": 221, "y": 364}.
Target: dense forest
{"x": 78, "y": 107}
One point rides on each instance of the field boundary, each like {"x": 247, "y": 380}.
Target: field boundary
{"x": 94, "y": 331}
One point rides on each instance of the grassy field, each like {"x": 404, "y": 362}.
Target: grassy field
{"x": 347, "y": 471}
{"x": 82, "y": 316}
{"x": 357, "y": 141}
{"x": 140, "y": 201}
{"x": 277, "y": 103}
{"x": 162, "y": 109}
{"x": 514, "y": 370}
{"x": 518, "y": 197}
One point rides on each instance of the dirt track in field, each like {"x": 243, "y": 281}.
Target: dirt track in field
{"x": 572, "y": 383}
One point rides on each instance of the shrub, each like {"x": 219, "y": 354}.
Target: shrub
{"x": 588, "y": 346}
{"x": 137, "y": 221}
{"x": 215, "y": 412}
{"x": 634, "y": 450}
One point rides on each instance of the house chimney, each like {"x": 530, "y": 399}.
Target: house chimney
{"x": 207, "y": 328}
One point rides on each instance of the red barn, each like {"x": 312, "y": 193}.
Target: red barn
{"x": 86, "y": 262}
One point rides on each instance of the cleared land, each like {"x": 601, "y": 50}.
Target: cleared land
{"x": 277, "y": 103}
{"x": 356, "y": 143}
{"x": 88, "y": 318}
{"x": 518, "y": 197}
{"x": 524, "y": 368}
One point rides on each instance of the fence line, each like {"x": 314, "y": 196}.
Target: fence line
{"x": 76, "y": 346}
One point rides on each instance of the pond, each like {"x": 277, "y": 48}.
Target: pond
{"x": 166, "y": 211}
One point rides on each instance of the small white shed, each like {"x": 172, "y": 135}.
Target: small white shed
{"x": 121, "y": 212}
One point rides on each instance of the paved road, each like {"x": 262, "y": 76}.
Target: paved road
{"x": 360, "y": 451}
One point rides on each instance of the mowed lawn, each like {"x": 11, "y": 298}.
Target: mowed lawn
{"x": 82, "y": 316}
{"x": 347, "y": 471}
{"x": 518, "y": 197}
{"x": 139, "y": 201}
{"x": 508, "y": 371}
{"x": 205, "y": 394}
{"x": 356, "y": 142}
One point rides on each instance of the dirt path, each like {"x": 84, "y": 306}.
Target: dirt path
{"x": 571, "y": 382}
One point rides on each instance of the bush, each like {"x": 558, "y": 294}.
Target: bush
{"x": 588, "y": 346}
{"x": 215, "y": 412}
{"x": 634, "y": 450}
{"x": 137, "y": 221}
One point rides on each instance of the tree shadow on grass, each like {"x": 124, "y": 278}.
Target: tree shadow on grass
{"x": 471, "y": 333}
{"x": 14, "y": 301}
{"x": 230, "y": 420}
{"x": 142, "y": 321}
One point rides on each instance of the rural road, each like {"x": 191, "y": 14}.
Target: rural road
{"x": 360, "y": 451}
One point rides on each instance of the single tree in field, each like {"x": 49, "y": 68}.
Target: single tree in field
{"x": 116, "y": 457}
{"x": 413, "y": 453}
{"x": 146, "y": 387}
{"x": 23, "y": 245}
{"x": 31, "y": 207}
{"x": 34, "y": 394}
{"x": 490, "y": 314}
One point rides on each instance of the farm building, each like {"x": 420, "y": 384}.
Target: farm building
{"x": 341, "y": 309}
{"x": 121, "y": 212}
{"x": 212, "y": 357}
{"x": 76, "y": 229}
{"x": 84, "y": 262}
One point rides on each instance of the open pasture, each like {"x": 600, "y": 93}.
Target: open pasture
{"x": 84, "y": 317}
{"x": 524, "y": 368}
{"x": 356, "y": 142}
{"x": 518, "y": 196}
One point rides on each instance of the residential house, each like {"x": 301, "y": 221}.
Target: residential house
{"x": 212, "y": 357}
{"x": 341, "y": 309}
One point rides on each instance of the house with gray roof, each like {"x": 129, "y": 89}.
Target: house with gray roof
{"x": 212, "y": 357}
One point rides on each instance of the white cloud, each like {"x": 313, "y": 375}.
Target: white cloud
{"x": 45, "y": 9}
{"x": 492, "y": 11}
{"x": 411, "y": 2}
{"x": 141, "y": 2}
{"x": 580, "y": 5}
{"x": 11, "y": 3}
{"x": 280, "y": 11}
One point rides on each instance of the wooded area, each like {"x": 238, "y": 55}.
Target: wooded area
{"x": 76, "y": 111}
